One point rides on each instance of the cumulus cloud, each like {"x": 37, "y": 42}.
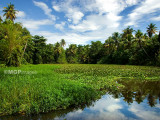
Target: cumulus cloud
{"x": 103, "y": 19}
{"x": 97, "y": 22}
{"x": 21, "y": 14}
{"x": 71, "y": 12}
{"x": 45, "y": 8}
{"x": 76, "y": 16}
{"x": 91, "y": 20}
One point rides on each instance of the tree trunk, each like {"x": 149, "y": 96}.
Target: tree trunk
{"x": 159, "y": 37}
{"x": 24, "y": 51}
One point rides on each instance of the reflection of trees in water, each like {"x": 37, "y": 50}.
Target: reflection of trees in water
{"x": 138, "y": 90}
{"x": 133, "y": 90}
{"x": 151, "y": 100}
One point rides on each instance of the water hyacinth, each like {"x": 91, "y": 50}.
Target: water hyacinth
{"x": 55, "y": 87}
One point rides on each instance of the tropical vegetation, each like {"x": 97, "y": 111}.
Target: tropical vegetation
{"x": 55, "y": 84}
{"x": 54, "y": 87}
{"x": 18, "y": 46}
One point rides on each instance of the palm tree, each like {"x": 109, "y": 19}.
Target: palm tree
{"x": 73, "y": 49}
{"x": 10, "y": 12}
{"x": 0, "y": 19}
{"x": 145, "y": 36}
{"x": 139, "y": 36}
{"x": 127, "y": 35}
{"x": 63, "y": 42}
{"x": 109, "y": 44}
{"x": 159, "y": 37}
{"x": 128, "y": 31}
{"x": 57, "y": 51}
{"x": 116, "y": 37}
{"x": 151, "y": 29}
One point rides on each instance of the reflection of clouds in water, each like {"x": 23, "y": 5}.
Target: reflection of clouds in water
{"x": 158, "y": 105}
{"x": 108, "y": 108}
{"x": 144, "y": 112}
{"x": 114, "y": 107}
{"x": 107, "y": 103}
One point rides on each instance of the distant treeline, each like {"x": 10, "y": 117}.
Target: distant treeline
{"x": 121, "y": 48}
{"x": 17, "y": 47}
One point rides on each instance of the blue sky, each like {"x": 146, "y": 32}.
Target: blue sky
{"x": 82, "y": 21}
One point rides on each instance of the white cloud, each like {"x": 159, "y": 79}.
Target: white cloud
{"x": 88, "y": 24}
{"x": 45, "y": 8}
{"x": 156, "y": 18}
{"x": 56, "y": 8}
{"x": 71, "y": 12}
{"x": 87, "y": 20}
{"x": 76, "y": 16}
{"x": 110, "y": 6}
{"x": 34, "y": 24}
{"x": 97, "y": 22}
{"x": 147, "y": 7}
{"x": 20, "y": 14}
{"x": 132, "y": 2}
{"x": 103, "y": 18}
{"x": 70, "y": 37}
{"x": 60, "y": 26}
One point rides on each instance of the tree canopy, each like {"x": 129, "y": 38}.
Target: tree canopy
{"x": 129, "y": 47}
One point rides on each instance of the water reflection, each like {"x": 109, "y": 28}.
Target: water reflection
{"x": 136, "y": 100}
{"x": 138, "y": 90}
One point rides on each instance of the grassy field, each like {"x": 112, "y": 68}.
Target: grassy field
{"x": 42, "y": 88}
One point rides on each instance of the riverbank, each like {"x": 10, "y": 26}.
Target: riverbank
{"x": 42, "y": 88}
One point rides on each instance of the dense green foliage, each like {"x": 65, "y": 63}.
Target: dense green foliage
{"x": 125, "y": 48}
{"x": 13, "y": 38}
{"x": 55, "y": 87}
{"x": 118, "y": 49}
{"x": 128, "y": 47}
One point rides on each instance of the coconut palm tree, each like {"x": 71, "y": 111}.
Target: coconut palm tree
{"x": 151, "y": 29}
{"x": 10, "y": 12}
{"x": 1, "y": 19}
{"x": 159, "y": 37}
{"x": 116, "y": 37}
{"x": 127, "y": 35}
{"x": 63, "y": 42}
{"x": 139, "y": 37}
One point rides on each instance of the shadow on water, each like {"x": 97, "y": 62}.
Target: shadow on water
{"x": 137, "y": 99}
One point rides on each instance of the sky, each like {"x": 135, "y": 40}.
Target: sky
{"x": 83, "y": 21}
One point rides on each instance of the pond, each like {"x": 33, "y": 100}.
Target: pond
{"x": 138, "y": 99}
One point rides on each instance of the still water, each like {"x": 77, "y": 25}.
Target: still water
{"x": 137, "y": 100}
